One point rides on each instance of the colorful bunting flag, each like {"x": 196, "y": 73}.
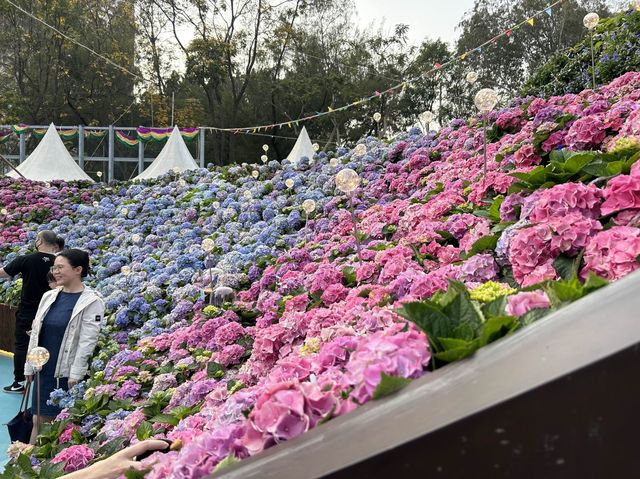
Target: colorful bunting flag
{"x": 530, "y": 21}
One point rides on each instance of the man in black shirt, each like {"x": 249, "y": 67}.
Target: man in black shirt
{"x": 34, "y": 269}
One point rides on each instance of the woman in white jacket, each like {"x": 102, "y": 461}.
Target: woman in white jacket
{"x": 67, "y": 324}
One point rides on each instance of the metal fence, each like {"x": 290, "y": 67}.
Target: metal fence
{"x": 81, "y": 157}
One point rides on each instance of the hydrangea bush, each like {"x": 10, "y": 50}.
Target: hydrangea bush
{"x": 329, "y": 314}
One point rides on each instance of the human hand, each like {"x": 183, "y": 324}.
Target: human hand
{"x": 120, "y": 462}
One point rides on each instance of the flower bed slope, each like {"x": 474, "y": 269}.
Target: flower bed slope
{"x": 319, "y": 324}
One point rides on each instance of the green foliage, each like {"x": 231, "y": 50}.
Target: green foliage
{"x": 457, "y": 326}
{"x": 617, "y": 51}
{"x": 565, "y": 166}
{"x": 389, "y": 385}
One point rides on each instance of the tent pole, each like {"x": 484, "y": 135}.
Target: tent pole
{"x": 23, "y": 148}
{"x": 111, "y": 154}
{"x": 81, "y": 146}
{"x": 201, "y": 149}
{"x": 10, "y": 165}
{"x": 140, "y": 156}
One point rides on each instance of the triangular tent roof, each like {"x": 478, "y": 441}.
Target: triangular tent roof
{"x": 50, "y": 161}
{"x": 303, "y": 147}
{"x": 175, "y": 154}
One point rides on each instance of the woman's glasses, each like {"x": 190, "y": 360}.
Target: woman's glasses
{"x": 56, "y": 267}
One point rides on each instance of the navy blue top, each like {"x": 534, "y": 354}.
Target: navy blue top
{"x": 54, "y": 325}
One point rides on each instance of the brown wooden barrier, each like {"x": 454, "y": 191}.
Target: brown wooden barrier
{"x": 7, "y": 327}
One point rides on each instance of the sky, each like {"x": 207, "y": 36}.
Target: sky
{"x": 426, "y": 18}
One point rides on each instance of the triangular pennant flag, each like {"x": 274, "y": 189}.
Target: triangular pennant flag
{"x": 437, "y": 66}
{"x": 289, "y": 124}
{"x": 463, "y": 56}
{"x": 377, "y": 93}
{"x": 530, "y": 21}
{"x": 494, "y": 40}
{"x": 330, "y": 109}
{"x": 548, "y": 11}
{"x": 508, "y": 32}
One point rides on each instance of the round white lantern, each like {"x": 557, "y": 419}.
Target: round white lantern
{"x": 485, "y": 100}
{"x": 347, "y": 180}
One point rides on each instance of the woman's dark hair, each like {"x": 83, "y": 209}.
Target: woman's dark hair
{"x": 52, "y": 239}
{"x": 77, "y": 257}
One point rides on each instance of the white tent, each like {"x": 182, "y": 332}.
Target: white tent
{"x": 174, "y": 156}
{"x": 303, "y": 147}
{"x": 50, "y": 161}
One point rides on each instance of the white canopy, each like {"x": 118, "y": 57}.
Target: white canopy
{"x": 174, "y": 156}
{"x": 303, "y": 147}
{"x": 50, "y": 161}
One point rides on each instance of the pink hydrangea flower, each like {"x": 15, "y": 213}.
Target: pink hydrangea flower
{"x": 621, "y": 193}
{"x": 527, "y": 156}
{"x": 567, "y": 198}
{"x": 522, "y": 303}
{"x": 586, "y": 133}
{"x": 613, "y": 253}
{"x": 530, "y": 255}
{"x": 74, "y": 457}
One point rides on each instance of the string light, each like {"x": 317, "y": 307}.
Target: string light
{"x": 309, "y": 206}
{"x": 485, "y": 100}
{"x": 347, "y": 180}
{"x": 207, "y": 245}
{"x": 472, "y": 77}
{"x": 360, "y": 149}
{"x": 591, "y": 20}
{"x": 38, "y": 357}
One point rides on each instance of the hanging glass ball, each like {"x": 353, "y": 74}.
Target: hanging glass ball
{"x": 247, "y": 195}
{"x": 377, "y": 117}
{"x": 264, "y": 158}
{"x": 182, "y": 183}
{"x": 99, "y": 174}
{"x": 136, "y": 238}
{"x": 309, "y": 206}
{"x": 265, "y": 148}
{"x": 591, "y": 20}
{"x": 215, "y": 205}
{"x": 316, "y": 147}
{"x": 360, "y": 149}
{"x": 126, "y": 270}
{"x": 207, "y": 245}
{"x": 255, "y": 173}
{"x": 347, "y": 180}
{"x": 485, "y": 100}
{"x": 223, "y": 294}
{"x": 4, "y": 210}
{"x": 289, "y": 183}
{"x": 334, "y": 162}
{"x": 472, "y": 77}
{"x": 125, "y": 211}
{"x": 38, "y": 357}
